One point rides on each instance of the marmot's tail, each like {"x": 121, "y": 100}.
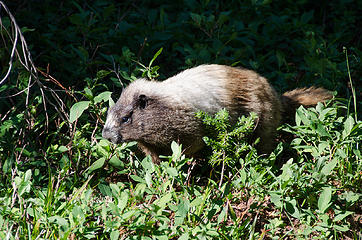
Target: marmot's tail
{"x": 307, "y": 97}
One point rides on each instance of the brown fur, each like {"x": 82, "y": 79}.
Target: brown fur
{"x": 307, "y": 97}
{"x": 158, "y": 113}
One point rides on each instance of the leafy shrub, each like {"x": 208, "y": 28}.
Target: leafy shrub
{"x": 228, "y": 142}
{"x": 315, "y": 187}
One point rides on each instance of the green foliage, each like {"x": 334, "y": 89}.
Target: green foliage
{"x": 159, "y": 201}
{"x": 328, "y": 141}
{"x": 60, "y": 180}
{"x": 228, "y": 142}
{"x": 157, "y": 197}
{"x": 326, "y": 173}
{"x": 151, "y": 72}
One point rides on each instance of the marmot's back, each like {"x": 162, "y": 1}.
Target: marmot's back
{"x": 200, "y": 88}
{"x": 157, "y": 113}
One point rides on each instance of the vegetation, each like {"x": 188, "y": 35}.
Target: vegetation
{"x": 63, "y": 63}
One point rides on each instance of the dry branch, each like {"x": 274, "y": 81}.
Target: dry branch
{"x": 21, "y": 53}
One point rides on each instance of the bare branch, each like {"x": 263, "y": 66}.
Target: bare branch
{"x": 15, "y": 41}
{"x": 26, "y": 61}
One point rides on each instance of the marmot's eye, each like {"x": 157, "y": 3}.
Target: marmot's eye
{"x": 125, "y": 119}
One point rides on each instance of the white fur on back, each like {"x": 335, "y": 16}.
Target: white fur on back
{"x": 199, "y": 88}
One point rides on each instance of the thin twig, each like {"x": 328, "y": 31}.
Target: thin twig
{"x": 20, "y": 52}
{"x": 18, "y": 93}
{"x": 52, "y": 79}
{"x": 93, "y": 140}
{"x": 222, "y": 171}
{"x": 14, "y": 45}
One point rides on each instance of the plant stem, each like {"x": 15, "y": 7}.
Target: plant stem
{"x": 352, "y": 88}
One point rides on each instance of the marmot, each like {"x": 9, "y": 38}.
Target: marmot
{"x": 156, "y": 113}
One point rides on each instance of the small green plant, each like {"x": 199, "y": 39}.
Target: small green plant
{"x": 151, "y": 71}
{"x": 228, "y": 142}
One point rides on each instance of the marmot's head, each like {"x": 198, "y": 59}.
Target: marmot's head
{"x": 139, "y": 115}
{"x": 126, "y": 119}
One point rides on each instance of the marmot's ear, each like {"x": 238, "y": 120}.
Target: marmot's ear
{"x": 142, "y": 101}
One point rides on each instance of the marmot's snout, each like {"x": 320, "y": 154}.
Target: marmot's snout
{"x": 113, "y": 136}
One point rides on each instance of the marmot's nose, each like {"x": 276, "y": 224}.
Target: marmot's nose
{"x": 106, "y": 133}
{"x": 112, "y": 136}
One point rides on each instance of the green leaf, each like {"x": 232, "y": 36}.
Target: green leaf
{"x": 23, "y": 183}
{"x": 328, "y": 168}
{"x": 123, "y": 200}
{"x": 159, "y": 237}
{"x": 115, "y": 189}
{"x": 301, "y": 117}
{"x": 182, "y": 210}
{"x": 281, "y": 58}
{"x": 222, "y": 214}
{"x": 197, "y": 201}
{"x": 324, "y": 200}
{"x": 128, "y": 214}
{"x": 155, "y": 56}
{"x": 62, "y": 149}
{"x": 140, "y": 189}
{"x": 287, "y": 173}
{"x": 213, "y": 233}
{"x": 322, "y": 146}
{"x": 59, "y": 220}
{"x": 291, "y": 207}
{"x": 148, "y": 179}
{"x": 172, "y": 171}
{"x": 103, "y": 73}
{"x": 26, "y": 29}
{"x": 148, "y": 165}
{"x": 341, "y": 153}
{"x": 184, "y": 236}
{"x": 321, "y": 130}
{"x": 78, "y": 212}
{"x": 348, "y": 126}
{"x": 243, "y": 176}
{"x": 340, "y": 217}
{"x": 111, "y": 102}
{"x": 105, "y": 189}
{"x": 114, "y": 235}
{"x": 104, "y": 96}
{"x": 137, "y": 179}
{"x": 88, "y": 93}
{"x": 352, "y": 197}
{"x": 27, "y": 175}
{"x": 115, "y": 162}
{"x": 77, "y": 109}
{"x": 357, "y": 153}
{"x": 75, "y": 19}
{"x": 196, "y": 18}
{"x": 163, "y": 200}
{"x": 97, "y": 164}
{"x": 343, "y": 228}
{"x": 276, "y": 199}
{"x": 176, "y": 150}
{"x": 306, "y": 17}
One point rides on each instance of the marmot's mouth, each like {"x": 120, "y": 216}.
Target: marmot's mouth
{"x": 117, "y": 140}
{"x": 114, "y": 138}
{"x": 111, "y": 136}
